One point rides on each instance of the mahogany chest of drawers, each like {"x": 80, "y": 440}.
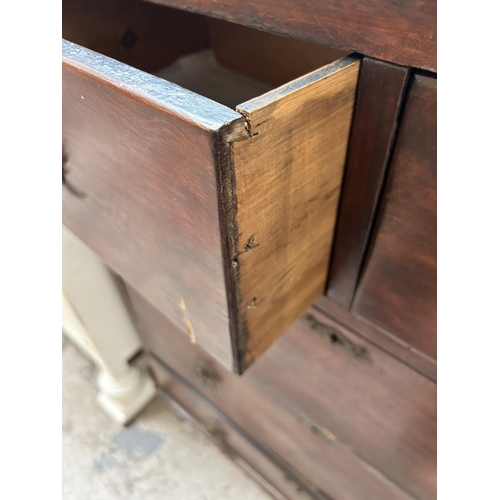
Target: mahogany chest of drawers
{"x": 262, "y": 175}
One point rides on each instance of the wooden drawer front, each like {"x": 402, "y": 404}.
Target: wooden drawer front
{"x": 349, "y": 393}
{"x": 326, "y": 466}
{"x": 397, "y": 291}
{"x": 222, "y": 218}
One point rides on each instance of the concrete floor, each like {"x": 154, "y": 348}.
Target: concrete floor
{"x": 160, "y": 456}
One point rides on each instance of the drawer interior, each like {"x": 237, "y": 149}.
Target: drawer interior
{"x": 225, "y": 62}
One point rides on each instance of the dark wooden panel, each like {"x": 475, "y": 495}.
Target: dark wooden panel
{"x": 401, "y": 32}
{"x": 141, "y": 34}
{"x": 232, "y": 439}
{"x": 367, "y": 399}
{"x": 128, "y": 138}
{"x": 259, "y": 461}
{"x": 369, "y": 403}
{"x": 389, "y": 343}
{"x": 378, "y": 102}
{"x": 323, "y": 462}
{"x": 398, "y": 289}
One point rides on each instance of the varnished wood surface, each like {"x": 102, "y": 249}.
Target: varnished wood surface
{"x": 381, "y": 408}
{"x": 141, "y": 34}
{"x": 398, "y": 289}
{"x": 258, "y": 460}
{"x": 128, "y": 138}
{"x": 372, "y": 405}
{"x": 287, "y": 180}
{"x": 391, "y": 344}
{"x": 403, "y": 32}
{"x": 378, "y": 103}
{"x": 306, "y": 453}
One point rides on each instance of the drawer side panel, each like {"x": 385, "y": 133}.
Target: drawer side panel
{"x": 288, "y": 178}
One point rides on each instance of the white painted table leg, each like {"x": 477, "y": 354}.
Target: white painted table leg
{"x": 97, "y": 320}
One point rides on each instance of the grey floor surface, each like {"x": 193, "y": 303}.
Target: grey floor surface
{"x": 160, "y": 456}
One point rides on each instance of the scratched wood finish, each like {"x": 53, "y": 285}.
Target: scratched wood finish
{"x": 398, "y": 289}
{"x": 378, "y": 103}
{"x": 381, "y": 408}
{"x": 287, "y": 179}
{"x": 265, "y": 57}
{"x": 244, "y": 451}
{"x": 141, "y": 34}
{"x": 128, "y": 138}
{"x": 391, "y": 344}
{"x": 235, "y": 257}
{"x": 403, "y": 32}
{"x": 323, "y": 465}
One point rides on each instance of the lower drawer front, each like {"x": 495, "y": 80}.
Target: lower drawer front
{"x": 259, "y": 461}
{"x": 274, "y": 444}
{"x": 357, "y": 425}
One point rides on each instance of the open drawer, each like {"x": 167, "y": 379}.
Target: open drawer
{"x": 223, "y": 218}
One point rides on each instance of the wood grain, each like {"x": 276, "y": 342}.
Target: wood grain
{"x": 380, "y": 93}
{"x": 403, "y": 32}
{"x": 381, "y": 408}
{"x": 398, "y": 289}
{"x": 265, "y": 57}
{"x": 129, "y": 138}
{"x": 141, "y": 34}
{"x": 207, "y": 211}
{"x": 385, "y": 341}
{"x": 287, "y": 181}
{"x": 233, "y": 441}
{"x": 326, "y": 466}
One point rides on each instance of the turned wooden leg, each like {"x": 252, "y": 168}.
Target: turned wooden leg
{"x": 96, "y": 318}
